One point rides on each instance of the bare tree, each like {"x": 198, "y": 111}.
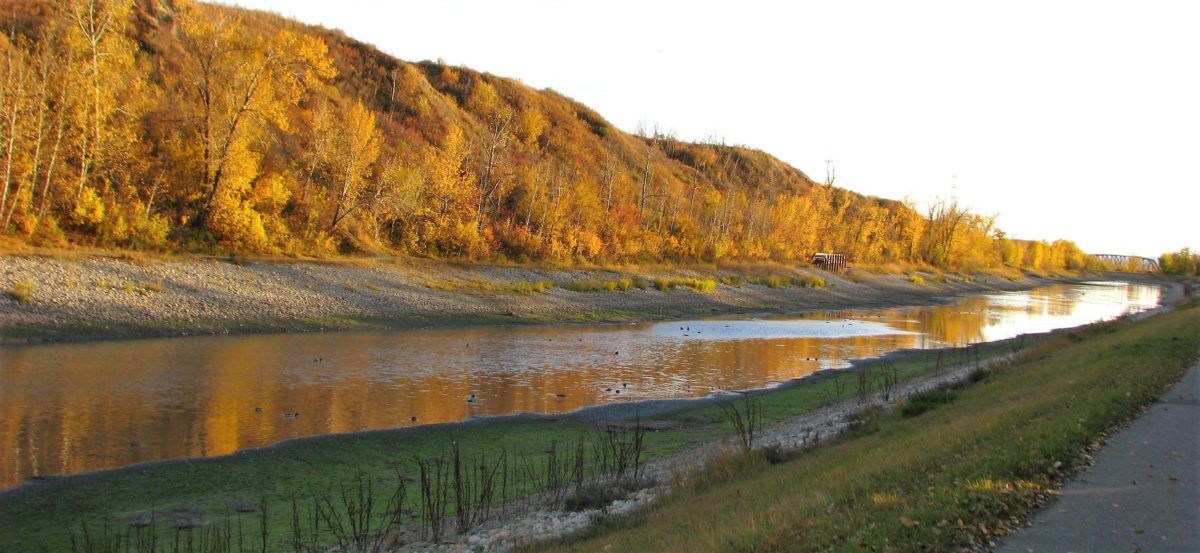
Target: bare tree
{"x": 97, "y": 21}
{"x": 13, "y": 100}
{"x": 45, "y": 62}
{"x": 497, "y": 139}
{"x": 944, "y": 219}
{"x": 608, "y": 175}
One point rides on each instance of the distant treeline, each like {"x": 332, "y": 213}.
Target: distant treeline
{"x": 1182, "y": 262}
{"x": 171, "y": 125}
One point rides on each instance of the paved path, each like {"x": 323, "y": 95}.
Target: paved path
{"x": 1142, "y": 494}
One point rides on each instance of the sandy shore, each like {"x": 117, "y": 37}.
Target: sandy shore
{"x": 104, "y": 297}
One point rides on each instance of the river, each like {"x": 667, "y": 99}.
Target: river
{"x": 70, "y": 408}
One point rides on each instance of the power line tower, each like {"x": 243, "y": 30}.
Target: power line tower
{"x": 954, "y": 188}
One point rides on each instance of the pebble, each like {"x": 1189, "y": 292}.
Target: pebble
{"x": 92, "y": 291}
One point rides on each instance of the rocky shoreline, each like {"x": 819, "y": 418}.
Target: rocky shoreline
{"x": 106, "y": 297}
{"x": 809, "y": 430}
{"x": 806, "y": 431}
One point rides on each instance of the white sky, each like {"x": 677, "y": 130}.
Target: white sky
{"x": 1076, "y": 120}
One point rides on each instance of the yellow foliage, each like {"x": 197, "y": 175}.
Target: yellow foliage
{"x": 355, "y": 148}
{"x": 89, "y": 208}
{"x": 231, "y": 123}
{"x": 270, "y": 194}
{"x": 451, "y": 182}
{"x": 530, "y": 126}
{"x": 483, "y": 100}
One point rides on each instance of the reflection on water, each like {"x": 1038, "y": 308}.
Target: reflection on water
{"x": 77, "y": 407}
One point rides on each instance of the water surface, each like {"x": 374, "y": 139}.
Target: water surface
{"x": 69, "y": 408}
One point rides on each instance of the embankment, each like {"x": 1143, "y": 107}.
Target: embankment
{"x": 95, "y": 297}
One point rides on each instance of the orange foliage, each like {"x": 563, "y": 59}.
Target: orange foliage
{"x": 257, "y": 133}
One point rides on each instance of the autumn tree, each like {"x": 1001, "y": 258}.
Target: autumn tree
{"x": 945, "y": 218}
{"x": 148, "y": 124}
{"x": 96, "y": 37}
{"x": 493, "y": 146}
{"x": 237, "y": 85}
{"x": 355, "y": 148}
{"x": 13, "y": 102}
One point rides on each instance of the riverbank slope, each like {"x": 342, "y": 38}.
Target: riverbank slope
{"x": 946, "y": 471}
{"x": 211, "y": 491}
{"x": 94, "y": 297}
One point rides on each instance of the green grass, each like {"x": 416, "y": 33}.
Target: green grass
{"x": 609, "y": 285}
{"x": 966, "y": 468}
{"x": 783, "y": 281}
{"x": 927, "y": 401}
{"x": 916, "y": 279}
{"x": 43, "y": 514}
{"x": 515, "y": 287}
{"x": 813, "y": 281}
{"x": 274, "y": 475}
{"x": 702, "y": 285}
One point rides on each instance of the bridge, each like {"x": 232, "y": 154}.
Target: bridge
{"x": 1120, "y": 261}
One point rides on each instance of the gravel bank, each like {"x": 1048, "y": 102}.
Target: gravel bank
{"x": 102, "y": 297}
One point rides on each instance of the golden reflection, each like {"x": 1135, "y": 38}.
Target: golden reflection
{"x": 71, "y": 408}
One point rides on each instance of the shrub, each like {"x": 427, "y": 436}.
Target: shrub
{"x": 583, "y": 286}
{"x": 1182, "y": 262}
{"x": 592, "y": 496}
{"x": 610, "y": 285}
{"x": 925, "y": 401}
{"x": 443, "y": 285}
{"x": 735, "y": 281}
{"x": 148, "y": 231}
{"x": 531, "y": 287}
{"x": 916, "y": 279}
{"x": 147, "y": 287}
{"x": 21, "y": 291}
{"x": 813, "y": 281}
{"x": 702, "y": 285}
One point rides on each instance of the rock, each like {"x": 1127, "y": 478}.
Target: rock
{"x": 243, "y": 507}
{"x": 498, "y": 537}
{"x": 184, "y": 523}
{"x": 141, "y": 520}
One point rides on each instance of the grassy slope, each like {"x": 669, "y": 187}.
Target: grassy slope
{"x": 952, "y": 477}
{"x": 42, "y": 513}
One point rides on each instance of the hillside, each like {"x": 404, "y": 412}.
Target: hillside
{"x": 171, "y": 125}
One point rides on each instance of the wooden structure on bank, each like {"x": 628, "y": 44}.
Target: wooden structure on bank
{"x": 834, "y": 262}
